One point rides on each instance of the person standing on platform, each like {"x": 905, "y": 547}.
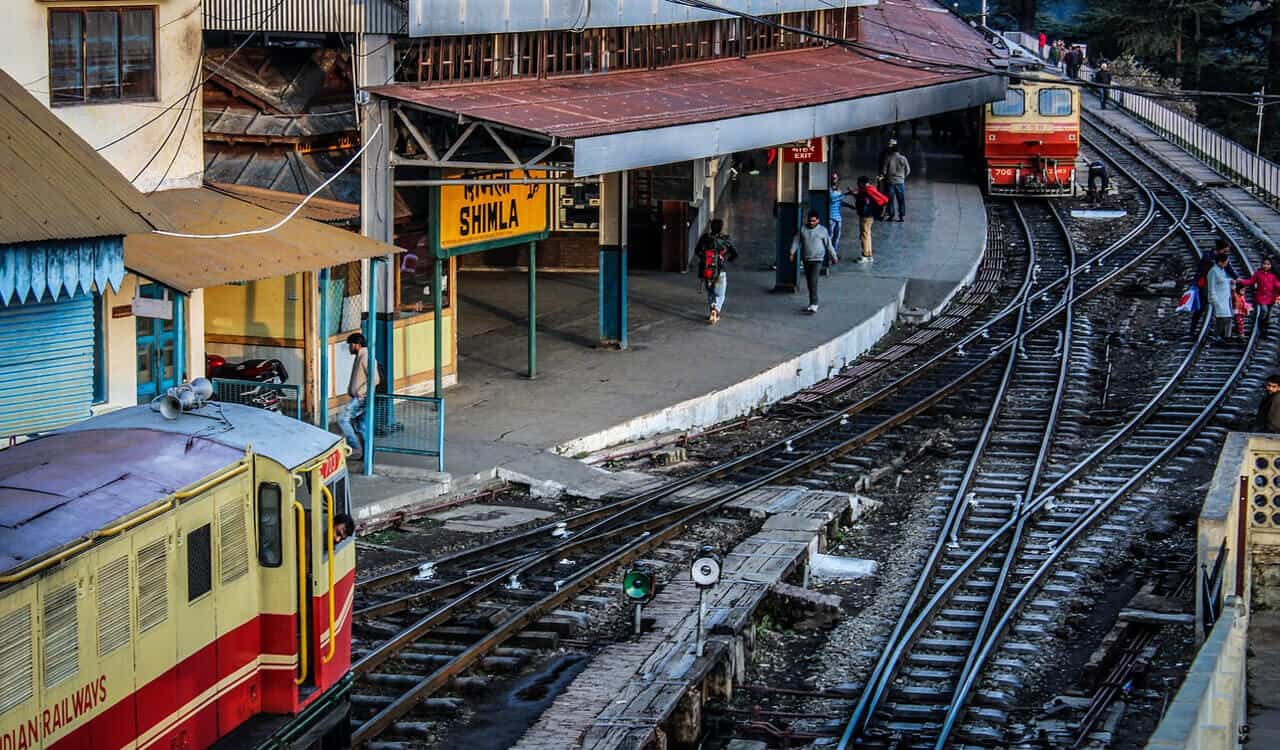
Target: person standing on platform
{"x": 883, "y": 164}
{"x": 867, "y": 207}
{"x": 713, "y": 251}
{"x": 1055, "y": 53}
{"x": 1218, "y": 291}
{"x": 896, "y": 170}
{"x": 1103, "y": 78}
{"x": 813, "y": 242}
{"x": 358, "y": 388}
{"x": 835, "y": 216}
{"x": 1043, "y": 40}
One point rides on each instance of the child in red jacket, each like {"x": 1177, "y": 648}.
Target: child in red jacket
{"x": 1266, "y": 288}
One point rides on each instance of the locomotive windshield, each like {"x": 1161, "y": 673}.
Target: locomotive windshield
{"x": 1014, "y": 104}
{"x": 1055, "y": 102}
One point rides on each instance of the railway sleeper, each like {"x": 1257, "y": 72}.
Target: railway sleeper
{"x": 446, "y": 706}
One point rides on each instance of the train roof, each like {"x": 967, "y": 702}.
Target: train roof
{"x": 61, "y": 488}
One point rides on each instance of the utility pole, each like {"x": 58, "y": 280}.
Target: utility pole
{"x": 1262, "y": 98}
{"x": 984, "y": 13}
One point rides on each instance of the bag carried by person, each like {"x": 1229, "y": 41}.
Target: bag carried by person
{"x": 710, "y": 260}
{"x": 1190, "y": 300}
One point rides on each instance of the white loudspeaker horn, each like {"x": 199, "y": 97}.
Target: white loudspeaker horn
{"x": 203, "y": 388}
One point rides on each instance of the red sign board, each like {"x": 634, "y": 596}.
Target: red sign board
{"x": 806, "y": 152}
{"x": 331, "y": 464}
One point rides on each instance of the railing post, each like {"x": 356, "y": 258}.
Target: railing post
{"x": 371, "y": 336}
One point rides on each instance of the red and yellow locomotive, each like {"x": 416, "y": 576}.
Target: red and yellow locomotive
{"x": 175, "y": 583}
{"x": 1031, "y": 139}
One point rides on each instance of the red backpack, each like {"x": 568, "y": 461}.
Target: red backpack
{"x": 710, "y": 259}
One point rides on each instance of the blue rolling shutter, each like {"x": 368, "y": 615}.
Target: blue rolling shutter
{"x": 46, "y": 364}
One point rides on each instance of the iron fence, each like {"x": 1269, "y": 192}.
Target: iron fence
{"x": 409, "y": 424}
{"x": 282, "y": 397}
{"x": 1259, "y": 176}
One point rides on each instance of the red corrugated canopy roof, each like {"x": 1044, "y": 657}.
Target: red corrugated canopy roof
{"x": 942, "y": 46}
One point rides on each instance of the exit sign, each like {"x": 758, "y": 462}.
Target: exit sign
{"x": 803, "y": 152}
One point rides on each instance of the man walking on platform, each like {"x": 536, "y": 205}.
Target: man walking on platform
{"x": 813, "y": 242}
{"x": 713, "y": 250}
{"x": 896, "y": 170}
{"x": 358, "y": 388}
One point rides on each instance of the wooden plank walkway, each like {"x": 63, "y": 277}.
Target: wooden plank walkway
{"x": 629, "y": 690}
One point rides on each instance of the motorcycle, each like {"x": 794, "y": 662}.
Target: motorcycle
{"x": 254, "y": 370}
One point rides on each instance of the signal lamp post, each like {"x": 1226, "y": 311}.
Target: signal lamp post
{"x": 638, "y": 587}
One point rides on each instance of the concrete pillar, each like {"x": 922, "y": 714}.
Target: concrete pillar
{"x": 613, "y": 260}
{"x": 719, "y": 683}
{"x": 685, "y": 725}
{"x": 790, "y": 200}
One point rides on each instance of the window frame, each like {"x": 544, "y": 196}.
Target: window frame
{"x": 1022, "y": 104}
{"x": 1071, "y": 102}
{"x": 278, "y": 542}
{"x": 204, "y": 536}
{"x": 119, "y": 10}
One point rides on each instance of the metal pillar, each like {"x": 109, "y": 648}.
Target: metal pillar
{"x": 322, "y": 404}
{"x": 437, "y": 306}
{"x": 613, "y": 260}
{"x": 371, "y": 335}
{"x": 179, "y": 338}
{"x": 533, "y": 310}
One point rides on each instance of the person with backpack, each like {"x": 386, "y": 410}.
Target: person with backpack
{"x": 867, "y": 203}
{"x": 358, "y": 392}
{"x": 713, "y": 250}
{"x": 813, "y": 242}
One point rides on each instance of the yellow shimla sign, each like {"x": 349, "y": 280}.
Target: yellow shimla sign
{"x": 478, "y": 213}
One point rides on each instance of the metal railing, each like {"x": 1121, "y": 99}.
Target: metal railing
{"x": 282, "y": 397}
{"x": 1211, "y": 590}
{"x": 1259, "y": 176}
{"x": 409, "y": 424}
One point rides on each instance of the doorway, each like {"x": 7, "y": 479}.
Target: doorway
{"x": 156, "y": 370}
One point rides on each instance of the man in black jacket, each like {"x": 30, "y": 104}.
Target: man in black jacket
{"x": 1268, "y": 417}
{"x": 1103, "y": 78}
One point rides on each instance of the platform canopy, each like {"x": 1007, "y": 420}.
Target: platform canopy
{"x": 913, "y": 58}
{"x": 186, "y": 264}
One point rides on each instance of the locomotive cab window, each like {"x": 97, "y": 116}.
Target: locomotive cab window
{"x": 1014, "y": 104}
{"x": 270, "y": 550}
{"x": 1055, "y": 102}
{"x": 341, "y": 504}
{"x": 199, "y": 562}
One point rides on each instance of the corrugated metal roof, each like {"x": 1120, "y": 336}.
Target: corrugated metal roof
{"x": 188, "y": 264}
{"x": 601, "y": 104}
{"x": 53, "y": 185}
{"x": 319, "y": 209}
{"x": 326, "y": 16}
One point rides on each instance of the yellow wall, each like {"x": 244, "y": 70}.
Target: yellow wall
{"x": 267, "y": 309}
{"x": 415, "y": 346}
{"x": 24, "y": 54}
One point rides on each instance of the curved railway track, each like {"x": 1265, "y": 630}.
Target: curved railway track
{"x": 515, "y": 581}
{"x": 995, "y": 567}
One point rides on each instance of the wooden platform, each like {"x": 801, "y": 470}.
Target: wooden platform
{"x": 630, "y": 690}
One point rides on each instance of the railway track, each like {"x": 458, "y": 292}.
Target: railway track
{"x": 504, "y": 587}
{"x": 1000, "y": 562}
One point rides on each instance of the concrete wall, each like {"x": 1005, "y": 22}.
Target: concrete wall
{"x": 1210, "y": 705}
{"x": 265, "y": 309}
{"x": 120, "y": 344}
{"x": 24, "y": 54}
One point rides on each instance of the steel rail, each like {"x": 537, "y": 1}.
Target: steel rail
{"x": 900, "y": 641}
{"x": 1085, "y": 521}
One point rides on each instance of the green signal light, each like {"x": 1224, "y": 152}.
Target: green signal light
{"x": 637, "y": 584}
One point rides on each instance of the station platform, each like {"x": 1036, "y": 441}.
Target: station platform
{"x": 678, "y": 373}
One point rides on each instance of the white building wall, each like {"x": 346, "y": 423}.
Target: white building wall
{"x": 24, "y": 54}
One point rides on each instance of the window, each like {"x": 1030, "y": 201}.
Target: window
{"x": 199, "y": 563}
{"x": 269, "y": 537}
{"x": 1014, "y": 104}
{"x": 101, "y": 55}
{"x": 415, "y": 272}
{"x": 1055, "y": 102}
{"x": 341, "y": 503}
